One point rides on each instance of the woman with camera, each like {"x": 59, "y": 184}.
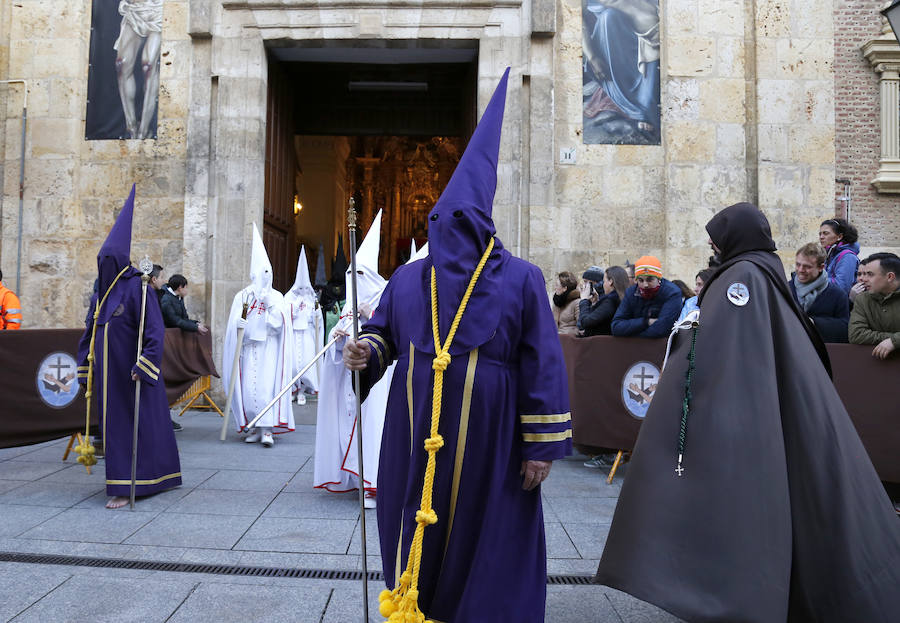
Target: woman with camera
{"x": 600, "y": 297}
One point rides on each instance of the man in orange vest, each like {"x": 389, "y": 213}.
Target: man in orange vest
{"x": 10, "y": 308}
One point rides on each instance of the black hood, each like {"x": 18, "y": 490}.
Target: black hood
{"x": 740, "y": 228}
{"x": 742, "y": 233}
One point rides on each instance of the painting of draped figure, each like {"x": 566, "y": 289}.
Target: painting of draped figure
{"x": 621, "y": 72}
{"x": 123, "y": 73}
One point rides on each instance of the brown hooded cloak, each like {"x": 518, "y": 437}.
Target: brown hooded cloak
{"x": 779, "y": 515}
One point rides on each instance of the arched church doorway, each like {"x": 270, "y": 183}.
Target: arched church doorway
{"x": 384, "y": 122}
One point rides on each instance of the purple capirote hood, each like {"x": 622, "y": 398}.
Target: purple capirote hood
{"x": 114, "y": 255}
{"x": 460, "y": 226}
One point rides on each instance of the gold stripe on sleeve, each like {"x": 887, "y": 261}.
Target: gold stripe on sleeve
{"x": 149, "y": 364}
{"x": 149, "y": 372}
{"x": 379, "y": 339}
{"x": 377, "y": 350}
{"x": 566, "y": 434}
{"x": 556, "y": 418}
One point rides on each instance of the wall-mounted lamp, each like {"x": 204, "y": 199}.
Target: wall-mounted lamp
{"x": 297, "y": 205}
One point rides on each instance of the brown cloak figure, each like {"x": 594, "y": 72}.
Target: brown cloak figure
{"x": 778, "y": 514}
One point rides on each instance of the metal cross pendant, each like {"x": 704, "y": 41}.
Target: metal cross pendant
{"x": 679, "y": 470}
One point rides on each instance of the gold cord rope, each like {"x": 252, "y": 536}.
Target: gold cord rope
{"x": 401, "y": 605}
{"x": 85, "y": 449}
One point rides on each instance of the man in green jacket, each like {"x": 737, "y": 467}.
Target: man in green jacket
{"x": 875, "y": 318}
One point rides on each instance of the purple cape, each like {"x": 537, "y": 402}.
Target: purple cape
{"x": 504, "y": 401}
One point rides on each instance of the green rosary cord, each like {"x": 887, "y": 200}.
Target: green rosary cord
{"x": 686, "y": 403}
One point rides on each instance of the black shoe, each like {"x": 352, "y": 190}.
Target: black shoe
{"x": 176, "y": 426}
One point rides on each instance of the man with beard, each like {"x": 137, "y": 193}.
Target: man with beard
{"x": 750, "y": 497}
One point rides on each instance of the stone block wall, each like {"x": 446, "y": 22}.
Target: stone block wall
{"x": 858, "y": 129}
{"x": 75, "y": 188}
{"x": 747, "y": 114}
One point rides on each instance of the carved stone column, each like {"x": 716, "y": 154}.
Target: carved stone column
{"x": 884, "y": 55}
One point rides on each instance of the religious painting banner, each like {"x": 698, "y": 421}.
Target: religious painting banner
{"x": 187, "y": 355}
{"x": 42, "y": 399}
{"x": 123, "y": 71}
{"x": 612, "y": 382}
{"x": 620, "y": 72}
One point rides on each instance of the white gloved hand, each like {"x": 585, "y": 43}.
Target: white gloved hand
{"x": 241, "y": 323}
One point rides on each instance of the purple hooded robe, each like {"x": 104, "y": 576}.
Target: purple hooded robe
{"x": 505, "y": 400}
{"x": 115, "y": 358}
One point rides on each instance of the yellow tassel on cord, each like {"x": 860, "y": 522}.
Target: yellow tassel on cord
{"x": 86, "y": 451}
{"x": 401, "y": 605}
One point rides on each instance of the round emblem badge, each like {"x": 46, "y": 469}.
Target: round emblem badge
{"x": 638, "y": 386}
{"x": 738, "y": 294}
{"x": 57, "y": 384}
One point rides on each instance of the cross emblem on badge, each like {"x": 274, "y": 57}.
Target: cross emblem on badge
{"x": 738, "y": 294}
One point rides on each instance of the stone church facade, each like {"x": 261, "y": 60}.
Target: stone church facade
{"x": 755, "y": 107}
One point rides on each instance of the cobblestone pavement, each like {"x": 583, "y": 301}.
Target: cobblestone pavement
{"x": 244, "y": 505}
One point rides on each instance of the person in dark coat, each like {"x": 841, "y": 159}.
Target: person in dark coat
{"x": 825, "y": 304}
{"x": 750, "y": 497}
{"x": 596, "y": 311}
{"x": 108, "y": 354}
{"x": 173, "y": 310}
{"x": 649, "y": 307}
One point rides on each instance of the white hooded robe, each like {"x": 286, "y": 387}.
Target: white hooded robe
{"x": 301, "y": 303}
{"x": 336, "y": 461}
{"x": 266, "y": 359}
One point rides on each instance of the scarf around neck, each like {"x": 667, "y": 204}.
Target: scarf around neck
{"x": 807, "y": 292}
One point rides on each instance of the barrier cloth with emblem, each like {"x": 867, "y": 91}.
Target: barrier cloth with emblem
{"x": 41, "y": 396}
{"x": 41, "y": 399}
{"x": 600, "y": 394}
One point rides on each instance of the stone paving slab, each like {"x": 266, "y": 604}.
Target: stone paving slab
{"x": 314, "y": 505}
{"x": 228, "y": 603}
{"x": 19, "y": 519}
{"x": 20, "y": 587}
{"x": 14, "y": 469}
{"x": 86, "y": 525}
{"x": 9, "y": 485}
{"x": 583, "y": 510}
{"x": 559, "y": 545}
{"x": 588, "y": 538}
{"x": 87, "y": 597}
{"x": 311, "y": 536}
{"x": 56, "y": 494}
{"x": 197, "y": 530}
{"x": 245, "y": 480}
{"x": 76, "y": 474}
{"x": 219, "y": 502}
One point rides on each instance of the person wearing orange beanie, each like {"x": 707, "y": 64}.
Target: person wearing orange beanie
{"x": 649, "y": 307}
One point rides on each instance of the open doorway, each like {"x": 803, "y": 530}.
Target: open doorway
{"x": 382, "y": 121}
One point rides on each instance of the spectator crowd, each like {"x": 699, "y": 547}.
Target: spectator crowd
{"x": 847, "y": 299}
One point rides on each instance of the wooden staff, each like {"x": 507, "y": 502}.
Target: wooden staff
{"x": 146, "y": 267}
{"x": 245, "y": 303}
{"x": 351, "y": 223}
{"x": 291, "y": 383}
